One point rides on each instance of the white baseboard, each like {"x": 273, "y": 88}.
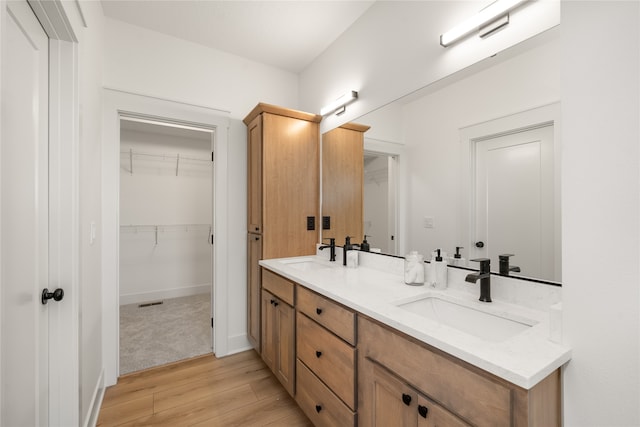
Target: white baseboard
{"x": 237, "y": 344}
{"x": 165, "y": 293}
{"x": 96, "y": 402}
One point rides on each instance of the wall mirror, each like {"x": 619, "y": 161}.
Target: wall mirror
{"x": 477, "y": 165}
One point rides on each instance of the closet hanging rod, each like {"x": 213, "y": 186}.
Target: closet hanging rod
{"x": 132, "y": 153}
{"x": 153, "y": 226}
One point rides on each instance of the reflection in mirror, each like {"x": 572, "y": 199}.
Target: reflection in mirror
{"x": 380, "y": 201}
{"x": 435, "y": 204}
{"x": 342, "y": 183}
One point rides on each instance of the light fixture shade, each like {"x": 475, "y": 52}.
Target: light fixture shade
{"x": 493, "y": 11}
{"x": 342, "y": 101}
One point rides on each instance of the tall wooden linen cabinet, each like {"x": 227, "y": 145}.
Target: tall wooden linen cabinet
{"x": 283, "y": 194}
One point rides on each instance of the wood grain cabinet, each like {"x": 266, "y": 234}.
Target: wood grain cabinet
{"x": 282, "y": 193}
{"x": 395, "y": 403}
{"x": 326, "y": 360}
{"x": 343, "y": 182}
{"x": 392, "y": 365}
{"x": 278, "y": 328}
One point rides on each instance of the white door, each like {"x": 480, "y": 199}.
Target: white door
{"x": 515, "y": 201}
{"x": 24, "y": 219}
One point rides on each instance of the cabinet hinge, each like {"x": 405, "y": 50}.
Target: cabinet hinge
{"x": 212, "y": 322}
{"x": 212, "y": 156}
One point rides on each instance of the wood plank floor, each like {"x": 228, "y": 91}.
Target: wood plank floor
{"x": 237, "y": 390}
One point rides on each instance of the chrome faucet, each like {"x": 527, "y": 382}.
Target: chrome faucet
{"x": 505, "y": 268}
{"x": 484, "y": 275}
{"x": 332, "y": 247}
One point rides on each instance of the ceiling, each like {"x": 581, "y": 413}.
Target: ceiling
{"x": 284, "y": 34}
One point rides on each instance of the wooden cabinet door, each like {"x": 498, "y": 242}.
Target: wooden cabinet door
{"x": 343, "y": 183}
{"x": 254, "y": 254}
{"x": 430, "y": 414}
{"x": 291, "y": 182}
{"x": 284, "y": 328}
{"x": 268, "y": 335}
{"x": 393, "y": 403}
{"x": 254, "y": 175}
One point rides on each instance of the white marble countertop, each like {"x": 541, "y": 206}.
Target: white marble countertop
{"x": 523, "y": 359}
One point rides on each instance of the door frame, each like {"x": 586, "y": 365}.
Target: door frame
{"x": 64, "y": 225}
{"x": 117, "y": 103}
{"x": 513, "y": 123}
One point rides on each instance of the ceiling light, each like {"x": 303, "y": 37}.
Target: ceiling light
{"x": 340, "y": 103}
{"x": 487, "y": 15}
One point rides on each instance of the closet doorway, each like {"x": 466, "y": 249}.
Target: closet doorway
{"x": 165, "y": 242}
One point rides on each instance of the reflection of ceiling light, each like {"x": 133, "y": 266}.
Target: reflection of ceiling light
{"x": 487, "y": 15}
{"x": 340, "y": 103}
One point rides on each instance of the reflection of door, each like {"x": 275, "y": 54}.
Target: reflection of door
{"x": 24, "y": 224}
{"x": 515, "y": 200}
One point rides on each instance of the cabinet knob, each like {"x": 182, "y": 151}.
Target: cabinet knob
{"x": 318, "y": 311}
{"x": 257, "y": 228}
{"x": 318, "y": 408}
{"x": 273, "y": 302}
{"x": 423, "y": 410}
{"x": 318, "y": 354}
{"x": 406, "y": 399}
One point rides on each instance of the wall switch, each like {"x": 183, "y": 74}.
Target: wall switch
{"x": 427, "y": 222}
{"x": 311, "y": 223}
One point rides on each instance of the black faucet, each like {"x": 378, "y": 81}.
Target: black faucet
{"x": 505, "y": 268}
{"x": 484, "y": 275}
{"x": 347, "y": 247}
{"x": 332, "y": 247}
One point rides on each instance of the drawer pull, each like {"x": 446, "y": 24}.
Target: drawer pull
{"x": 423, "y": 410}
{"x": 406, "y": 399}
{"x": 318, "y": 354}
{"x": 318, "y": 408}
{"x": 318, "y": 311}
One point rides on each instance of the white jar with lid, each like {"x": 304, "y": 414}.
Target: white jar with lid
{"x": 414, "y": 269}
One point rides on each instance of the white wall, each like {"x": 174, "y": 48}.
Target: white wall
{"x": 601, "y": 212}
{"x": 394, "y": 49}
{"x": 150, "y": 63}
{"x": 432, "y": 137}
{"x": 179, "y": 263}
{"x": 87, "y": 24}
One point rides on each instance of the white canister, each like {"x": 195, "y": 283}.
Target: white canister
{"x": 414, "y": 268}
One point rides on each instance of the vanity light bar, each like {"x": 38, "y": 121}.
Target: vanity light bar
{"x": 339, "y": 103}
{"x": 485, "y": 16}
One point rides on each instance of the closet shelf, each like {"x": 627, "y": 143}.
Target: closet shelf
{"x": 172, "y": 157}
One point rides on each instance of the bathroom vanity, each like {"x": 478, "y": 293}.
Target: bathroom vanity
{"x": 371, "y": 351}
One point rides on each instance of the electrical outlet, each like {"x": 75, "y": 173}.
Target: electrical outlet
{"x": 427, "y": 222}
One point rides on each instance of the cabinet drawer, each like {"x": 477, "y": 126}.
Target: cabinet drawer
{"x": 337, "y": 319}
{"x": 320, "y": 404}
{"x": 467, "y": 394}
{"x": 330, "y": 358}
{"x": 278, "y": 286}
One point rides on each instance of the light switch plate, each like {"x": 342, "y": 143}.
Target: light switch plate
{"x": 427, "y": 222}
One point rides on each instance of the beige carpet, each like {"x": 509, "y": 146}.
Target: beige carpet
{"x": 178, "y": 329}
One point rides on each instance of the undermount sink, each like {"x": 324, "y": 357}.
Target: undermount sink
{"x": 306, "y": 264}
{"x": 478, "y": 323}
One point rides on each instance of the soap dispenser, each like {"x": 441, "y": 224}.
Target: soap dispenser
{"x": 440, "y": 270}
{"x": 364, "y": 246}
{"x": 457, "y": 257}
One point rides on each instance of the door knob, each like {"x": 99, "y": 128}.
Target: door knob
{"x": 480, "y": 244}
{"x": 57, "y": 295}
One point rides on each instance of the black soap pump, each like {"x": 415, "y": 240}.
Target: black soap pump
{"x": 364, "y": 246}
